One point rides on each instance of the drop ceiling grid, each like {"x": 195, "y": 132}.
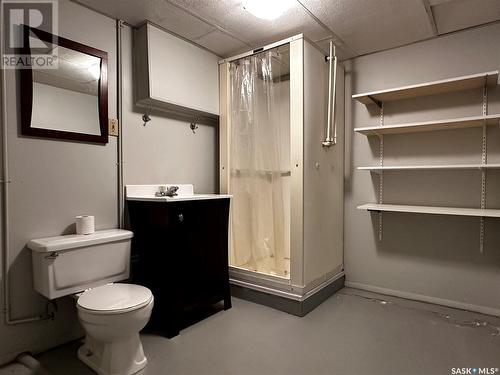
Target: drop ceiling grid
{"x": 456, "y": 15}
{"x": 365, "y": 26}
{"x": 221, "y": 43}
{"x": 233, "y": 17}
{"x": 159, "y": 12}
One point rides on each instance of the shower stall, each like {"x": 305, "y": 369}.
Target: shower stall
{"x": 282, "y": 158}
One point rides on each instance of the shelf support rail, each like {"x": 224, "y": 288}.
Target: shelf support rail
{"x": 381, "y": 175}
{"x": 484, "y": 160}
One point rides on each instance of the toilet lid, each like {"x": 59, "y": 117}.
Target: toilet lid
{"x": 115, "y": 298}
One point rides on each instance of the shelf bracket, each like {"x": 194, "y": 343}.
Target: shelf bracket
{"x": 375, "y": 101}
{"x": 375, "y": 133}
{"x": 484, "y": 161}
{"x": 381, "y": 175}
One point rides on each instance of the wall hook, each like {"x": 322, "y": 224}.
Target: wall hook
{"x": 145, "y": 116}
{"x": 193, "y": 126}
{"x": 146, "y": 119}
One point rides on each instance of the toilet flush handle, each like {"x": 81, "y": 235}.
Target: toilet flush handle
{"x": 52, "y": 255}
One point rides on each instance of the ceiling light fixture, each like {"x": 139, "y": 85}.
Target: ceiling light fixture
{"x": 266, "y": 9}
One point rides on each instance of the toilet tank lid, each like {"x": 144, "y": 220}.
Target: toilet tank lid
{"x": 73, "y": 241}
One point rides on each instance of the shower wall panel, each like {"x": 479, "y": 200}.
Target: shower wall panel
{"x": 323, "y": 172}
{"x": 297, "y": 155}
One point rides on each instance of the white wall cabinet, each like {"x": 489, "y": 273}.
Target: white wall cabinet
{"x": 175, "y": 76}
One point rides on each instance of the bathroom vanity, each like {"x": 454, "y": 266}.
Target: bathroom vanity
{"x": 179, "y": 251}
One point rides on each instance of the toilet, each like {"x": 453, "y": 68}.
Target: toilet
{"x": 112, "y": 314}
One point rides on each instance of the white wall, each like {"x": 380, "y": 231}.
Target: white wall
{"x": 165, "y": 150}
{"x": 52, "y": 181}
{"x": 435, "y": 257}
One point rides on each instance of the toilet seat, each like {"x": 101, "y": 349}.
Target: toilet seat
{"x": 114, "y": 299}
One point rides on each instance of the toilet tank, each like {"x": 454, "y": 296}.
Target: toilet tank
{"x": 69, "y": 264}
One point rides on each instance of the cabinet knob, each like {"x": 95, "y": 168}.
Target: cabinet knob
{"x": 181, "y": 218}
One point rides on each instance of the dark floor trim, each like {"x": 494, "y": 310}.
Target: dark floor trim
{"x": 298, "y": 308}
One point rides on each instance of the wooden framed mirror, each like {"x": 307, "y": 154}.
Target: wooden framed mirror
{"x": 69, "y": 101}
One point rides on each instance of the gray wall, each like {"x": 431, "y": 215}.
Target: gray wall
{"x": 435, "y": 258}
{"x": 52, "y": 181}
{"x": 165, "y": 150}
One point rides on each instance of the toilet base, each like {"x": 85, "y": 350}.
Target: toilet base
{"x": 113, "y": 358}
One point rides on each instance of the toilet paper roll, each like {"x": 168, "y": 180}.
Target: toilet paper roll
{"x": 84, "y": 224}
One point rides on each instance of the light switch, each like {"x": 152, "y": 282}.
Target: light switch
{"x": 113, "y": 127}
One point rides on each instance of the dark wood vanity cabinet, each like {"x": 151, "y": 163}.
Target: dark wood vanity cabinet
{"x": 180, "y": 252}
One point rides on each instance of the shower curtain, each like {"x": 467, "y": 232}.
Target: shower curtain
{"x": 257, "y": 164}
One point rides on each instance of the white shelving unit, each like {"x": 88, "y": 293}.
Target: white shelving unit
{"x": 462, "y": 83}
{"x": 433, "y": 210}
{"x": 481, "y": 80}
{"x": 426, "y": 126}
{"x": 478, "y": 167}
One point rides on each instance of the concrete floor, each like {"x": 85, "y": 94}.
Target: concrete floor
{"x": 353, "y": 332}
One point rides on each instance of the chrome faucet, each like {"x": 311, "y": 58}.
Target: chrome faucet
{"x": 167, "y": 191}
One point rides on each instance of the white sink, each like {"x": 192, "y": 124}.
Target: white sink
{"x": 185, "y": 193}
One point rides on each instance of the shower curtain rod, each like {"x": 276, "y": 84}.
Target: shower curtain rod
{"x": 261, "y": 49}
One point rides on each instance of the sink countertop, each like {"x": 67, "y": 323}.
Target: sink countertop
{"x": 178, "y": 198}
{"x": 146, "y": 193}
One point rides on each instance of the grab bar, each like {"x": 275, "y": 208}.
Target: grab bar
{"x": 332, "y": 93}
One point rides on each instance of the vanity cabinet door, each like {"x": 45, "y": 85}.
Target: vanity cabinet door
{"x": 206, "y": 251}
{"x": 158, "y": 261}
{"x": 156, "y": 245}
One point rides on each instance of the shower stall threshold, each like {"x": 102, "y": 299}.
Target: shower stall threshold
{"x": 278, "y": 293}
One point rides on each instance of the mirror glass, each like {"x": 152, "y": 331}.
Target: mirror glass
{"x": 67, "y": 98}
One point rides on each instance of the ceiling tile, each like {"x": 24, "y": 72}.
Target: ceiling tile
{"x": 369, "y": 25}
{"x": 230, "y": 15}
{"x": 221, "y": 43}
{"x": 160, "y": 12}
{"x": 460, "y": 14}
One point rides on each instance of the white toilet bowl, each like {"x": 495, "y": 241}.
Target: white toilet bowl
{"x": 112, "y": 316}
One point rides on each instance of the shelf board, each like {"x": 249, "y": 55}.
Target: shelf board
{"x": 425, "y": 126}
{"x": 429, "y": 88}
{"x": 432, "y": 210}
{"x": 379, "y": 169}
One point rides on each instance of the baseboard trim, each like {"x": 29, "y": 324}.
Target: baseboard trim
{"x": 292, "y": 306}
{"x": 419, "y": 297}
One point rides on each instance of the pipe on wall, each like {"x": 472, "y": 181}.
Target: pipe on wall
{"x": 121, "y": 200}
